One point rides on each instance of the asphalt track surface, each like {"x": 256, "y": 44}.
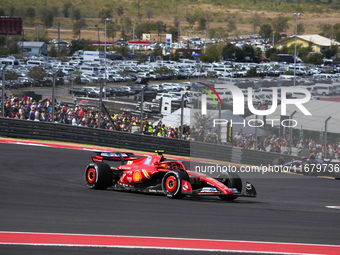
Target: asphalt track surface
{"x": 43, "y": 191}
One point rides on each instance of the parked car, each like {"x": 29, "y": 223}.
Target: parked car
{"x": 114, "y": 91}
{"x": 168, "y": 95}
{"x": 77, "y": 91}
{"x": 148, "y": 96}
{"x": 91, "y": 92}
{"x": 127, "y": 90}
{"x": 25, "y": 82}
{"x": 155, "y": 76}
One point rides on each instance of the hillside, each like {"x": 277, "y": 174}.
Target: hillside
{"x": 228, "y": 17}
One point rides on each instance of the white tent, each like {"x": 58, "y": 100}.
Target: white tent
{"x": 320, "y": 110}
{"x": 174, "y": 119}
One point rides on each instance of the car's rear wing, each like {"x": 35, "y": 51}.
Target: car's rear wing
{"x": 113, "y": 156}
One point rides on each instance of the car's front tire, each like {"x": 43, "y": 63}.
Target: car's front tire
{"x": 172, "y": 183}
{"x": 231, "y": 180}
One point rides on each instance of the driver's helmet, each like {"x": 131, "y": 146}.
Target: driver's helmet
{"x": 175, "y": 167}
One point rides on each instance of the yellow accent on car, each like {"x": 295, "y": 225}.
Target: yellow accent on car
{"x": 146, "y": 173}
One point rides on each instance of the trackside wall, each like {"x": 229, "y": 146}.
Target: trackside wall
{"x": 67, "y": 133}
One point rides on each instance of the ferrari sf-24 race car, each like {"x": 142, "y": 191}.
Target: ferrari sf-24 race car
{"x": 156, "y": 174}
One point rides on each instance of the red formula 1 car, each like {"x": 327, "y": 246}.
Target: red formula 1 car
{"x": 155, "y": 174}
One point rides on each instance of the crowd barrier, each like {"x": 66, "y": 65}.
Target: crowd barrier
{"x": 85, "y": 135}
{"x": 67, "y": 133}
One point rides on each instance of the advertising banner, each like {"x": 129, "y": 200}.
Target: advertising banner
{"x": 168, "y": 41}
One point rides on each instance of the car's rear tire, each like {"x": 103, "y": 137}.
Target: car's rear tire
{"x": 172, "y": 183}
{"x": 98, "y": 176}
{"x": 231, "y": 180}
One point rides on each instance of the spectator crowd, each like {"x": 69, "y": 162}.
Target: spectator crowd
{"x": 26, "y": 108}
{"x": 276, "y": 144}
